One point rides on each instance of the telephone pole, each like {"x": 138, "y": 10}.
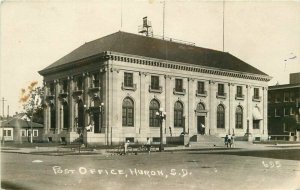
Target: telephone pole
{"x": 3, "y": 100}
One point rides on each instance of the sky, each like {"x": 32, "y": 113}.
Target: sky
{"x": 36, "y": 33}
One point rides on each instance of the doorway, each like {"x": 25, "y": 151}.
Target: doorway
{"x": 201, "y": 125}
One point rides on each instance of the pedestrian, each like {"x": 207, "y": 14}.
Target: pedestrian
{"x": 226, "y": 140}
{"x": 232, "y": 141}
{"x": 126, "y": 147}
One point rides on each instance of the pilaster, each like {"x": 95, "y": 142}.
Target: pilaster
{"x": 213, "y": 109}
{"x": 57, "y": 107}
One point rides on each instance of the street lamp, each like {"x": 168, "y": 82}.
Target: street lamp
{"x": 161, "y": 115}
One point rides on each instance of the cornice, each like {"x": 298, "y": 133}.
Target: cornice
{"x": 183, "y": 66}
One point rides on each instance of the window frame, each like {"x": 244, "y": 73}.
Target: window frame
{"x": 178, "y": 115}
{"x": 128, "y": 117}
{"x": 154, "y": 82}
{"x": 239, "y": 117}
{"x": 128, "y": 79}
{"x": 220, "y": 117}
{"x": 153, "y": 119}
{"x": 221, "y": 89}
{"x": 178, "y": 85}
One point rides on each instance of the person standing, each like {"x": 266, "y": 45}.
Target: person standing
{"x": 226, "y": 140}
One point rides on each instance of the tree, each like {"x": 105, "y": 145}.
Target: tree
{"x": 31, "y": 100}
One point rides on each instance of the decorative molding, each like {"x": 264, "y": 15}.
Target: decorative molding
{"x": 183, "y": 66}
{"x": 144, "y": 73}
{"x": 212, "y": 82}
{"x": 168, "y": 76}
{"x": 191, "y": 79}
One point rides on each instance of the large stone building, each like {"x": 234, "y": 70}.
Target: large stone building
{"x": 116, "y": 84}
{"x": 284, "y": 109}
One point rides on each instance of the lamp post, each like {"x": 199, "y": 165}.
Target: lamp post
{"x": 101, "y": 109}
{"x": 161, "y": 116}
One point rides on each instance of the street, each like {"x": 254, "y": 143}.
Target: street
{"x": 233, "y": 169}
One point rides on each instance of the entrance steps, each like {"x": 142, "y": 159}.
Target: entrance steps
{"x": 206, "y": 140}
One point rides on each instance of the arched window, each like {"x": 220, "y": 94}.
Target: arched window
{"x": 178, "y": 114}
{"x": 239, "y": 118}
{"x": 66, "y": 115}
{"x": 153, "y": 108}
{"x": 127, "y": 112}
{"x": 220, "y": 116}
{"x": 200, "y": 107}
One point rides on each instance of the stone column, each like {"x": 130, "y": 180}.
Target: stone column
{"x": 86, "y": 98}
{"x": 231, "y": 97}
{"x": 46, "y": 110}
{"x": 168, "y": 102}
{"x": 191, "y": 128}
{"x": 144, "y": 126}
{"x": 213, "y": 109}
{"x": 71, "y": 104}
{"x": 57, "y": 107}
{"x": 265, "y": 113}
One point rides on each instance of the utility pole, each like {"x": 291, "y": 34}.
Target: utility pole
{"x": 3, "y": 100}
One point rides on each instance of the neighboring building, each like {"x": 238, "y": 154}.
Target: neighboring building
{"x": 18, "y": 129}
{"x": 134, "y": 76}
{"x": 283, "y": 110}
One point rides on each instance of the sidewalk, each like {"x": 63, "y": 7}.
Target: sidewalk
{"x": 71, "y": 150}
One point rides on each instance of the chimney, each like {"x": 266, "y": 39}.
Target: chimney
{"x": 294, "y": 78}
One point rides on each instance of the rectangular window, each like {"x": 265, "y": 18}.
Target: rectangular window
{"x": 65, "y": 85}
{"x": 128, "y": 79}
{"x": 278, "y": 112}
{"x": 286, "y": 111}
{"x": 9, "y": 133}
{"x": 79, "y": 83}
{"x": 292, "y": 112}
{"x": 96, "y": 81}
{"x": 285, "y": 128}
{"x": 286, "y": 96}
{"x": 256, "y": 93}
{"x": 221, "y": 89}
{"x": 178, "y": 85}
{"x": 200, "y": 87}
{"x": 155, "y": 82}
{"x": 239, "y": 91}
{"x": 28, "y": 133}
{"x": 35, "y": 133}
{"x": 51, "y": 86}
{"x": 292, "y": 96}
{"x": 255, "y": 124}
{"x": 4, "y": 133}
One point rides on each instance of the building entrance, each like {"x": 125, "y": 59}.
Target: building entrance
{"x": 201, "y": 125}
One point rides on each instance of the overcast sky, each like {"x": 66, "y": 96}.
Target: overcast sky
{"x": 35, "y": 34}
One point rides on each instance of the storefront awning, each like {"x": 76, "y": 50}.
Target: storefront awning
{"x": 256, "y": 114}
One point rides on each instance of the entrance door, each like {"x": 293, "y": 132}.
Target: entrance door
{"x": 200, "y": 122}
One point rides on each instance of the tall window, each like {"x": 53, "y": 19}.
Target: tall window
{"x": 220, "y": 116}
{"x": 178, "y": 85}
{"x": 128, "y": 79}
{"x": 96, "y": 81}
{"x": 66, "y": 115}
{"x": 52, "y": 88}
{"x": 178, "y": 114}
{"x": 53, "y": 116}
{"x": 239, "y": 91}
{"x": 239, "y": 118}
{"x": 200, "y": 87}
{"x": 79, "y": 83}
{"x": 153, "y": 119}
{"x": 221, "y": 89}
{"x": 65, "y": 85}
{"x": 256, "y": 93}
{"x": 127, "y": 112}
{"x": 155, "y": 82}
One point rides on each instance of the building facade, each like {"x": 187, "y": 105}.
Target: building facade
{"x": 109, "y": 90}
{"x": 18, "y": 129}
{"x": 283, "y": 110}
